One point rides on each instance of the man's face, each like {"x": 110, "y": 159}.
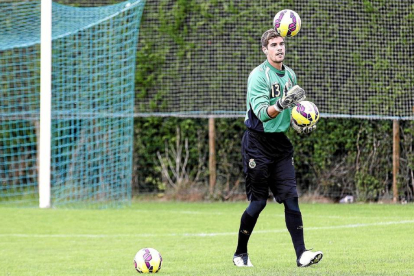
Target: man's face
{"x": 276, "y": 50}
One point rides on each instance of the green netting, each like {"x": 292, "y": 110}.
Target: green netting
{"x": 19, "y": 106}
{"x": 93, "y": 67}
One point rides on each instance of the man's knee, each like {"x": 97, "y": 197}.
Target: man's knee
{"x": 255, "y": 207}
{"x": 291, "y": 204}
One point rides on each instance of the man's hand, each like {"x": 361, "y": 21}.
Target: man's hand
{"x": 292, "y": 97}
{"x": 305, "y": 130}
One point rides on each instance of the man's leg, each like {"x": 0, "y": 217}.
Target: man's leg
{"x": 247, "y": 223}
{"x": 283, "y": 186}
{"x": 255, "y": 168}
{"x": 294, "y": 224}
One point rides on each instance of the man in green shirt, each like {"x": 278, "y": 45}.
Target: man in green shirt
{"x": 267, "y": 153}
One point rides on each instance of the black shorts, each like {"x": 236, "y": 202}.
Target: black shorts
{"x": 268, "y": 163}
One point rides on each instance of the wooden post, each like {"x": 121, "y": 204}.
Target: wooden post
{"x": 395, "y": 159}
{"x": 212, "y": 154}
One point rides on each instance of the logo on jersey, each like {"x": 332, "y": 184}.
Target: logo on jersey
{"x": 275, "y": 90}
{"x": 252, "y": 164}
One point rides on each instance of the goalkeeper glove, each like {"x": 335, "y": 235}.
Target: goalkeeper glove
{"x": 305, "y": 130}
{"x": 292, "y": 97}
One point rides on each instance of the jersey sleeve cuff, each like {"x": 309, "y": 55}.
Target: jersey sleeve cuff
{"x": 264, "y": 116}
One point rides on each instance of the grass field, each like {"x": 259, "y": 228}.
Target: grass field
{"x": 200, "y": 239}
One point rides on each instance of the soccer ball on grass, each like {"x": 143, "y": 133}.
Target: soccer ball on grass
{"x": 148, "y": 260}
{"x": 287, "y": 23}
{"x": 305, "y": 114}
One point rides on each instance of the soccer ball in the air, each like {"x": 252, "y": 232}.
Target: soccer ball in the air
{"x": 148, "y": 260}
{"x": 305, "y": 114}
{"x": 287, "y": 23}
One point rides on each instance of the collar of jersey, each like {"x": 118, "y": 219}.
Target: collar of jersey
{"x": 277, "y": 71}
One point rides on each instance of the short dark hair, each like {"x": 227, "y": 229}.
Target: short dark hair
{"x": 268, "y": 35}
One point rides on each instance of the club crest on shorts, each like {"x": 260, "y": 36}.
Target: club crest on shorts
{"x": 252, "y": 164}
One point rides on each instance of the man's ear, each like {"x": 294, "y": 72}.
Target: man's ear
{"x": 264, "y": 50}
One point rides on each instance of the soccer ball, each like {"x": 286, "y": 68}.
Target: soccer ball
{"x": 148, "y": 260}
{"x": 287, "y": 23}
{"x": 305, "y": 114}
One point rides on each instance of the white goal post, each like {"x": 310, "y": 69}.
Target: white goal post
{"x": 45, "y": 103}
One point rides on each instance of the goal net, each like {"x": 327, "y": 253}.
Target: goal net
{"x": 93, "y": 67}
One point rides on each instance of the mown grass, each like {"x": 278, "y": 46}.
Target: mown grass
{"x": 200, "y": 239}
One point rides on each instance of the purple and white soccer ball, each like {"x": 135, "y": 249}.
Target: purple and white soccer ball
{"x": 287, "y": 23}
{"x": 305, "y": 114}
{"x": 148, "y": 260}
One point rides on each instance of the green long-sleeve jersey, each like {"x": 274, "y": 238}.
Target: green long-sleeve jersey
{"x": 265, "y": 86}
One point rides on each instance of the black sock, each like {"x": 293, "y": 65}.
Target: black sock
{"x": 294, "y": 225}
{"x": 247, "y": 224}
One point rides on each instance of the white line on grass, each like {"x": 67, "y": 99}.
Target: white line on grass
{"x": 199, "y": 234}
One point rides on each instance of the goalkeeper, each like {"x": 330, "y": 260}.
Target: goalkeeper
{"x": 267, "y": 153}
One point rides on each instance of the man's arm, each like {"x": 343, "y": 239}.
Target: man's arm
{"x": 272, "y": 112}
{"x": 258, "y": 96}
